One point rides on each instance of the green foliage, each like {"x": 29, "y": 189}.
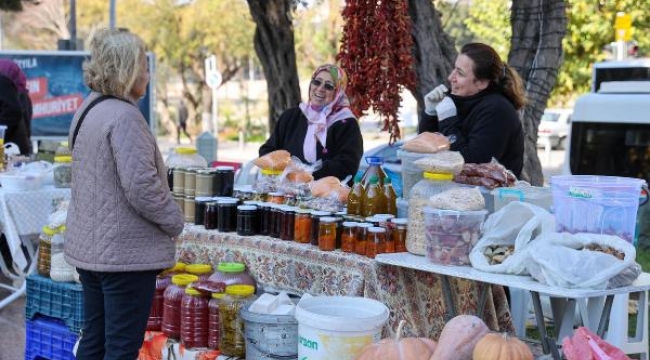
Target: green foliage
{"x": 489, "y": 21}
{"x": 453, "y": 20}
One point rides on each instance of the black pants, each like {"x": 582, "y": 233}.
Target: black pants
{"x": 116, "y": 309}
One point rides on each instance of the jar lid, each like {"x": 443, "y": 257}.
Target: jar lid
{"x": 231, "y": 267}
{"x": 271, "y": 172}
{"x": 48, "y": 230}
{"x": 365, "y": 225}
{"x": 384, "y": 216}
{"x": 349, "y": 224}
{"x": 218, "y": 295}
{"x": 204, "y": 172}
{"x": 373, "y": 219}
{"x": 242, "y": 290}
{"x": 185, "y": 150}
{"x": 321, "y": 213}
{"x": 192, "y": 291}
{"x": 303, "y": 211}
{"x": 225, "y": 168}
{"x": 246, "y": 207}
{"x": 178, "y": 267}
{"x": 184, "y": 279}
{"x": 377, "y": 229}
{"x": 399, "y": 221}
{"x": 438, "y": 176}
{"x": 227, "y": 201}
{"x": 198, "y": 268}
{"x": 63, "y": 158}
{"x": 252, "y": 202}
{"x": 202, "y": 198}
{"x": 327, "y": 219}
{"x": 276, "y": 193}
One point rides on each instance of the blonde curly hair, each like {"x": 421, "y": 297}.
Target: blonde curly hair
{"x": 116, "y": 59}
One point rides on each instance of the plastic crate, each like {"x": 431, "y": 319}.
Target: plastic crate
{"x": 48, "y": 338}
{"x": 55, "y": 299}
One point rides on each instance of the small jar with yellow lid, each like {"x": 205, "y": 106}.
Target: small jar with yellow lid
{"x": 63, "y": 171}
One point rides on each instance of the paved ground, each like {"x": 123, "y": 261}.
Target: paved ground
{"x": 12, "y": 317}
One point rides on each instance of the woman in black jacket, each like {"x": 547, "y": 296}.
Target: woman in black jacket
{"x": 324, "y": 128}
{"x": 480, "y": 114}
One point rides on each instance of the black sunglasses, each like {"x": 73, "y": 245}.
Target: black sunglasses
{"x": 326, "y": 85}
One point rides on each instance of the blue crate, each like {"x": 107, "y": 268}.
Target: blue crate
{"x": 55, "y": 299}
{"x": 48, "y": 338}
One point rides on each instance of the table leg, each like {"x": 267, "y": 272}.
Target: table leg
{"x": 539, "y": 318}
{"x": 485, "y": 287}
{"x": 449, "y": 299}
{"x": 604, "y": 316}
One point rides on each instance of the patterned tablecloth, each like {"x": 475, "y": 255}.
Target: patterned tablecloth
{"x": 25, "y": 213}
{"x": 412, "y": 295}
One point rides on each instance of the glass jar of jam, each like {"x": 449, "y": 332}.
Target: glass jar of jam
{"x": 227, "y": 215}
{"x": 362, "y": 234}
{"x": 348, "y": 236}
{"x": 265, "y": 218}
{"x": 171, "y": 322}
{"x": 287, "y": 225}
{"x": 194, "y": 319}
{"x": 224, "y": 181}
{"x": 315, "y": 219}
{"x": 190, "y": 182}
{"x": 211, "y": 215}
{"x": 275, "y": 218}
{"x": 302, "y": 226}
{"x": 199, "y": 209}
{"x": 275, "y": 197}
{"x": 375, "y": 241}
{"x": 188, "y": 209}
{"x": 204, "y": 179}
{"x": 398, "y": 234}
{"x": 179, "y": 181}
{"x": 327, "y": 233}
{"x": 233, "y": 341}
{"x": 247, "y": 220}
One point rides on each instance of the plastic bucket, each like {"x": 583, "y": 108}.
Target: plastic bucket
{"x": 270, "y": 336}
{"x": 338, "y": 327}
{"x": 597, "y": 204}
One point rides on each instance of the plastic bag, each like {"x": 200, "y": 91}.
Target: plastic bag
{"x": 584, "y": 345}
{"x": 442, "y": 162}
{"x": 275, "y": 160}
{"x": 559, "y": 259}
{"x": 329, "y": 193}
{"x": 459, "y": 199}
{"x": 490, "y": 175}
{"x": 296, "y": 175}
{"x": 514, "y": 226}
{"x": 427, "y": 142}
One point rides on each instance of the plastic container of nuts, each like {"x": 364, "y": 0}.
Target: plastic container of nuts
{"x": 451, "y": 234}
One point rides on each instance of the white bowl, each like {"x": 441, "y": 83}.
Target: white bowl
{"x": 21, "y": 182}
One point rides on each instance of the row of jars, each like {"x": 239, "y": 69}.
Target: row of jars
{"x": 196, "y": 182}
{"x": 183, "y": 312}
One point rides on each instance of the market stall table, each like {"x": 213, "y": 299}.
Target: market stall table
{"x": 22, "y": 216}
{"x": 412, "y": 295}
{"x": 565, "y": 299}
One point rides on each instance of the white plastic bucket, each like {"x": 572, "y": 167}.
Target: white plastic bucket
{"x": 338, "y": 327}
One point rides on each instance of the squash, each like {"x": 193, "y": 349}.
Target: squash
{"x": 458, "y": 338}
{"x": 496, "y": 346}
{"x": 399, "y": 348}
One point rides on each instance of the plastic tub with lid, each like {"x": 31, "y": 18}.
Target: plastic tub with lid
{"x": 183, "y": 156}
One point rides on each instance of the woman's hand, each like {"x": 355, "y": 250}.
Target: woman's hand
{"x": 446, "y": 109}
{"x": 434, "y": 97}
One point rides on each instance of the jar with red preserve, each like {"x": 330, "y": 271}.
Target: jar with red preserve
{"x": 398, "y": 234}
{"x": 232, "y": 273}
{"x": 362, "y": 233}
{"x": 162, "y": 281}
{"x": 214, "y": 323}
{"x": 171, "y": 322}
{"x": 327, "y": 233}
{"x": 348, "y": 236}
{"x": 302, "y": 226}
{"x": 315, "y": 220}
{"x": 194, "y": 319}
{"x": 375, "y": 241}
{"x": 202, "y": 271}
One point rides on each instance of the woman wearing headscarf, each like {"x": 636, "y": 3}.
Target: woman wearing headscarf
{"x": 324, "y": 128}
{"x": 15, "y": 105}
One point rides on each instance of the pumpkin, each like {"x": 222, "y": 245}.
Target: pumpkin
{"x": 399, "y": 348}
{"x": 496, "y": 346}
{"x": 458, "y": 338}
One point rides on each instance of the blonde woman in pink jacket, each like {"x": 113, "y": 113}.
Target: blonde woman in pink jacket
{"x": 121, "y": 218}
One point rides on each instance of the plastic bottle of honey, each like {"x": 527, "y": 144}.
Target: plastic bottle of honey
{"x": 374, "y": 202}
{"x": 391, "y": 197}
{"x": 194, "y": 319}
{"x": 355, "y": 199}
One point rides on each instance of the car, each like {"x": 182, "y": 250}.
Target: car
{"x": 554, "y": 128}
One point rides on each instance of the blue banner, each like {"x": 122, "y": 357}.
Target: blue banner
{"x": 57, "y": 89}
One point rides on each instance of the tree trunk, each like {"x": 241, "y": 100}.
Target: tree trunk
{"x": 274, "y": 45}
{"x": 434, "y": 50}
{"x": 538, "y": 27}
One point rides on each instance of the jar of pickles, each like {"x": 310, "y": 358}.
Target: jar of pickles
{"x": 302, "y": 226}
{"x": 398, "y": 234}
{"x": 63, "y": 171}
{"x": 348, "y": 236}
{"x": 327, "y": 233}
{"x": 45, "y": 251}
{"x": 233, "y": 341}
{"x": 375, "y": 241}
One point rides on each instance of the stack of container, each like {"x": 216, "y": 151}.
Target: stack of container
{"x": 53, "y": 317}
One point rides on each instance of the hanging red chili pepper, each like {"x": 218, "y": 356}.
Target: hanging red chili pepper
{"x": 376, "y": 51}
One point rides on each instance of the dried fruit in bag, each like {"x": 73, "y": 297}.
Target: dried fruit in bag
{"x": 324, "y": 186}
{"x": 427, "y": 142}
{"x": 275, "y": 160}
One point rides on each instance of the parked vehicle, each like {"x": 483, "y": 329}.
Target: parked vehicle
{"x": 554, "y": 128}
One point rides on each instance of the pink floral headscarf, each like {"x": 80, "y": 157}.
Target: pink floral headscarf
{"x": 320, "y": 119}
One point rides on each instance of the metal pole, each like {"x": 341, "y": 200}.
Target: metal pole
{"x": 111, "y": 10}
{"x": 215, "y": 119}
{"x": 73, "y": 25}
